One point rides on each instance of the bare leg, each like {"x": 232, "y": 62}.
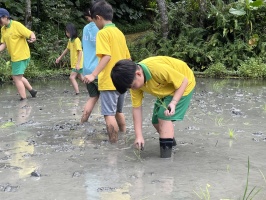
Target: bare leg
{"x": 112, "y": 128}
{"x": 120, "y": 118}
{"x": 26, "y": 83}
{"x": 166, "y": 129}
{"x": 80, "y": 77}
{"x": 20, "y": 86}
{"x": 88, "y": 108}
{"x": 72, "y": 77}
{"x": 156, "y": 126}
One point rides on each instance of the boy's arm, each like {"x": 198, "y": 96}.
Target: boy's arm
{"x": 2, "y": 46}
{"x": 137, "y": 118}
{"x": 32, "y": 38}
{"x": 79, "y": 59}
{"x": 177, "y": 96}
{"x": 103, "y": 62}
{"x": 61, "y": 56}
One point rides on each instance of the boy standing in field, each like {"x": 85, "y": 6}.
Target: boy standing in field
{"x": 168, "y": 79}
{"x": 13, "y": 37}
{"x": 90, "y": 62}
{"x": 110, "y": 48}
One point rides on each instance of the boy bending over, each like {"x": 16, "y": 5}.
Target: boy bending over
{"x": 168, "y": 79}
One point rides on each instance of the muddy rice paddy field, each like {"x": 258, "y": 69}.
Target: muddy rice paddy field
{"x": 45, "y": 154}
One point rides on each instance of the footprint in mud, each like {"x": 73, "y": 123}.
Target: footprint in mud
{"x": 8, "y": 188}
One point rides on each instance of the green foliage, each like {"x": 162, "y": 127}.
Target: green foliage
{"x": 211, "y": 35}
{"x": 5, "y": 67}
{"x": 216, "y": 70}
{"x": 253, "y": 68}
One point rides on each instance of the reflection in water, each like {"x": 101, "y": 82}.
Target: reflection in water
{"x": 21, "y": 150}
{"x": 23, "y": 112}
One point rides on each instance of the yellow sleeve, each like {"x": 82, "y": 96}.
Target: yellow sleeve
{"x": 136, "y": 97}
{"x": 102, "y": 45}
{"x": 23, "y": 30}
{"x": 78, "y": 44}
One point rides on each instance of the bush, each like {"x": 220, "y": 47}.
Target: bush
{"x": 252, "y": 68}
{"x": 216, "y": 70}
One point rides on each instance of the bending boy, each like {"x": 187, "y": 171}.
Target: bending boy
{"x": 168, "y": 79}
{"x": 110, "y": 48}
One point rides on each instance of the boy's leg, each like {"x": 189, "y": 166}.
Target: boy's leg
{"x": 112, "y": 128}
{"x": 166, "y": 129}
{"x": 94, "y": 96}
{"x": 29, "y": 87}
{"x": 109, "y": 101}
{"x": 20, "y": 86}
{"x": 72, "y": 77}
{"x": 120, "y": 117}
{"x": 88, "y": 108}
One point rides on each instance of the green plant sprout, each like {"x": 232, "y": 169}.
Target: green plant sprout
{"x": 253, "y": 192}
{"x": 7, "y": 124}
{"x": 204, "y": 194}
{"x": 264, "y": 108}
{"x": 231, "y": 133}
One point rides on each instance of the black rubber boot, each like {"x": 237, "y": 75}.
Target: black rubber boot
{"x": 166, "y": 145}
{"x": 33, "y": 92}
{"x": 174, "y": 142}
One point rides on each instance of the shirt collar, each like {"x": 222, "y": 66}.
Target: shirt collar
{"x": 146, "y": 71}
{"x": 8, "y": 26}
{"x": 109, "y": 25}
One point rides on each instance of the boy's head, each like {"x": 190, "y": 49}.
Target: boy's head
{"x": 127, "y": 74}
{"x": 4, "y": 17}
{"x": 101, "y": 11}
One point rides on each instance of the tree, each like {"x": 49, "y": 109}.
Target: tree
{"x": 28, "y": 17}
{"x": 164, "y": 17}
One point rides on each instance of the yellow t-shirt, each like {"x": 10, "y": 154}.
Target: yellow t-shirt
{"x": 164, "y": 75}
{"x": 110, "y": 41}
{"x": 74, "y": 47}
{"x": 14, "y": 35}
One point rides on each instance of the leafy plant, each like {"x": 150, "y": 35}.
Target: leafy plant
{"x": 204, "y": 194}
{"x": 253, "y": 191}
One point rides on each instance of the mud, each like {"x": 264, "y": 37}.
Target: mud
{"x": 46, "y": 154}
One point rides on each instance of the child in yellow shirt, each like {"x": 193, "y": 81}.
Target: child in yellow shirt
{"x": 168, "y": 79}
{"x": 76, "y": 56}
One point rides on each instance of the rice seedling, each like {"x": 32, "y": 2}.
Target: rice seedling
{"x": 204, "y": 194}
{"x": 231, "y": 133}
{"x": 253, "y": 192}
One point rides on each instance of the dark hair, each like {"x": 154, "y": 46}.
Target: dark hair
{"x": 123, "y": 75}
{"x": 71, "y": 29}
{"x": 103, "y": 9}
{"x": 87, "y": 12}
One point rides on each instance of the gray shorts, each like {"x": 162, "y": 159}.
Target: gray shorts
{"x": 111, "y": 102}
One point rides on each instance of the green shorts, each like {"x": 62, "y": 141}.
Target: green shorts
{"x": 19, "y": 67}
{"x": 180, "y": 109}
{"x": 80, "y": 71}
{"x": 92, "y": 88}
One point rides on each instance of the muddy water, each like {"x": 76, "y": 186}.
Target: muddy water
{"x": 46, "y": 154}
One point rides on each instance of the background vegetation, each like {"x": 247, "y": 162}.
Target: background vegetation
{"x": 218, "y": 38}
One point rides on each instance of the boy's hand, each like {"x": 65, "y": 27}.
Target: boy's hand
{"x": 57, "y": 60}
{"x": 170, "y": 110}
{"x": 139, "y": 143}
{"x": 77, "y": 67}
{"x": 88, "y": 78}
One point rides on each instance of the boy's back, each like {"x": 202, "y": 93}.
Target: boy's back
{"x": 110, "y": 41}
